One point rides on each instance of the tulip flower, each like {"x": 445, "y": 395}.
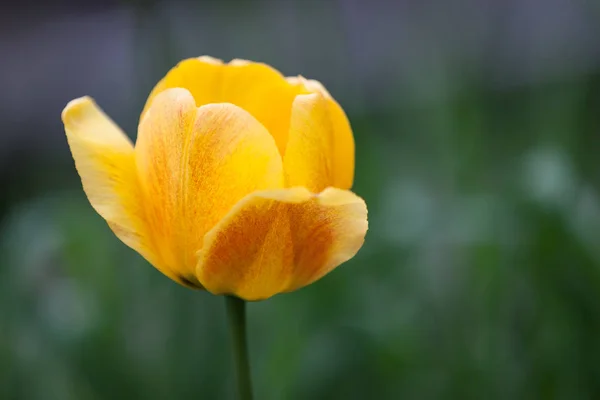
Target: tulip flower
{"x": 239, "y": 181}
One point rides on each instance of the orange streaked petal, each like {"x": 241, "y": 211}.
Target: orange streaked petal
{"x": 104, "y": 158}
{"x": 256, "y": 87}
{"x": 321, "y": 142}
{"x": 195, "y": 165}
{"x": 159, "y": 153}
{"x": 281, "y": 240}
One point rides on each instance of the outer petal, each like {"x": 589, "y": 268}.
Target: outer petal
{"x": 320, "y": 151}
{"x": 255, "y": 87}
{"x": 104, "y": 158}
{"x": 195, "y": 165}
{"x": 278, "y": 241}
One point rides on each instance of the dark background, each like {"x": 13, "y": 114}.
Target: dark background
{"x": 477, "y": 124}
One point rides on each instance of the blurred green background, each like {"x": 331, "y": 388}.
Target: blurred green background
{"x": 478, "y": 133}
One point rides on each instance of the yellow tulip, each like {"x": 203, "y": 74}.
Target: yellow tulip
{"x": 238, "y": 182}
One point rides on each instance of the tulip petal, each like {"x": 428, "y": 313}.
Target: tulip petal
{"x": 320, "y": 149}
{"x": 200, "y": 76}
{"x": 263, "y": 92}
{"x": 308, "y": 160}
{"x": 256, "y": 87}
{"x": 104, "y": 158}
{"x": 195, "y": 165}
{"x": 281, "y": 240}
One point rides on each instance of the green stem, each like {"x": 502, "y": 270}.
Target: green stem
{"x": 236, "y": 313}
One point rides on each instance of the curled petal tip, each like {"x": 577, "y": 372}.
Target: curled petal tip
{"x": 239, "y": 62}
{"x": 76, "y": 109}
{"x": 176, "y": 94}
{"x": 210, "y": 60}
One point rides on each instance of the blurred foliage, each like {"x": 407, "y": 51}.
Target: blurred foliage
{"x": 479, "y": 278}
